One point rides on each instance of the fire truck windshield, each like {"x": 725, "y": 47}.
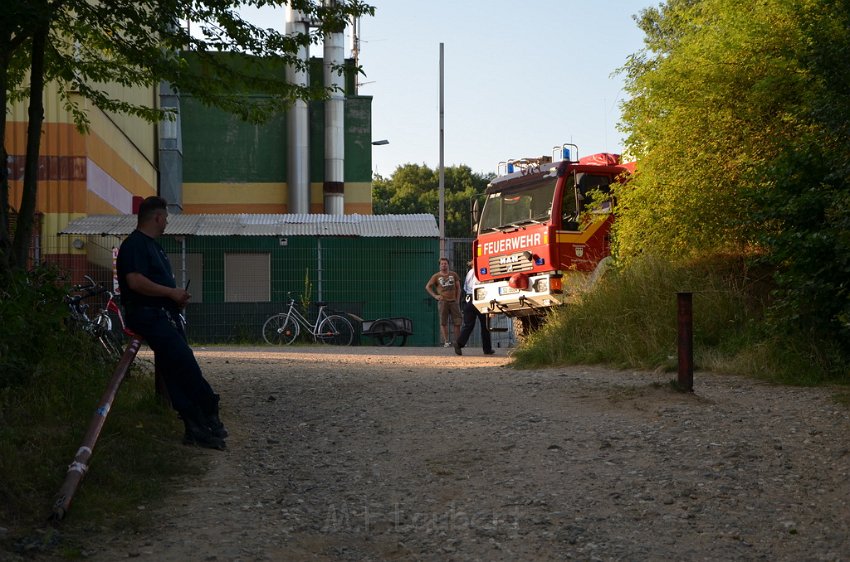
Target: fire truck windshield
{"x": 515, "y": 206}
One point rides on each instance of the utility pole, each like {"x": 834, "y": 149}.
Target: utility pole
{"x": 442, "y": 167}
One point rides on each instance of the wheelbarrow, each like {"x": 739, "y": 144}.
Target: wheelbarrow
{"x": 388, "y": 331}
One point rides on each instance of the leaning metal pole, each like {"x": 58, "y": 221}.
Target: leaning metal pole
{"x": 77, "y": 469}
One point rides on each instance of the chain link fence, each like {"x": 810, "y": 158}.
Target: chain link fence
{"x": 238, "y": 282}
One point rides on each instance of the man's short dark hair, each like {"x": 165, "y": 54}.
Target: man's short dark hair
{"x": 150, "y": 206}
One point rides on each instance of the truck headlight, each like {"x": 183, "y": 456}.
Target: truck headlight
{"x": 480, "y": 293}
{"x": 541, "y": 285}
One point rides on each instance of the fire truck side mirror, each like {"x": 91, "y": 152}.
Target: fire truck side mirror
{"x": 476, "y": 215}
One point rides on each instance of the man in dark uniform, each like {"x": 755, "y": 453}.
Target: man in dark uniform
{"x": 152, "y": 303}
{"x": 470, "y": 315}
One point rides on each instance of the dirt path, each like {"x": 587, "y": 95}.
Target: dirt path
{"x": 417, "y": 454}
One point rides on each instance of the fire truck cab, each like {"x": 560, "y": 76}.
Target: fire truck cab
{"x": 543, "y": 235}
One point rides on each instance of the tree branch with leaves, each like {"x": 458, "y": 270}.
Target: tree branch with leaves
{"x": 86, "y": 46}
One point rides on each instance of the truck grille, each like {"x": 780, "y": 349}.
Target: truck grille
{"x": 513, "y": 263}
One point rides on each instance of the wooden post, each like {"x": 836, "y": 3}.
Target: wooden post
{"x": 686, "y": 342}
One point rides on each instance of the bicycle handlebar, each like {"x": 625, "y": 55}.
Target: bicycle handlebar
{"x": 89, "y": 290}
{"x": 85, "y": 287}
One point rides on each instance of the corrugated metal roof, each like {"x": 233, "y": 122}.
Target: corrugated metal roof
{"x": 367, "y": 226}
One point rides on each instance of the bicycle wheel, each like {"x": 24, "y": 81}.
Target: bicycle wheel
{"x": 102, "y": 330}
{"x": 384, "y": 331}
{"x": 280, "y": 330}
{"x": 103, "y": 322}
{"x": 336, "y": 330}
{"x": 113, "y": 344}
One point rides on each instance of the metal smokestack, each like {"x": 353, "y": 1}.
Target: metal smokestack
{"x": 297, "y": 123}
{"x": 334, "y": 185}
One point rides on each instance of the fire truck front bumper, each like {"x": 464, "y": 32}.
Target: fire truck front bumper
{"x": 542, "y": 292}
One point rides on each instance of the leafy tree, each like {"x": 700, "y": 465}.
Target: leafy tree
{"x": 415, "y": 188}
{"x": 715, "y": 96}
{"x": 739, "y": 119}
{"x": 16, "y": 28}
{"x": 808, "y": 207}
{"x": 85, "y": 46}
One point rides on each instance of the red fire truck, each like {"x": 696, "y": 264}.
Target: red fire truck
{"x": 543, "y": 235}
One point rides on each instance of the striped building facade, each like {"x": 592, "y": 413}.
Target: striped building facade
{"x": 226, "y": 165}
{"x": 81, "y": 174}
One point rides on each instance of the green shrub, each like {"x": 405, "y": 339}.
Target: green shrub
{"x": 51, "y": 382}
{"x": 630, "y": 321}
{"x": 31, "y": 313}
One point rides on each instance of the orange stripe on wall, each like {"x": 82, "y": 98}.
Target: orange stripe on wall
{"x": 348, "y": 208}
{"x": 64, "y": 196}
{"x": 58, "y": 139}
{"x": 358, "y": 209}
{"x": 260, "y": 208}
{"x": 53, "y": 196}
{"x": 269, "y": 208}
{"x": 62, "y": 140}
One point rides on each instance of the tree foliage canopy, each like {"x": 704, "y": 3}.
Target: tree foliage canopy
{"x": 716, "y": 95}
{"x": 415, "y": 188}
{"x": 143, "y": 42}
{"x": 86, "y": 48}
{"x": 739, "y": 120}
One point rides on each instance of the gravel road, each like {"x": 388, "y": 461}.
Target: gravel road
{"x": 417, "y": 454}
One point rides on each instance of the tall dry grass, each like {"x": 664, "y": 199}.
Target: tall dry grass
{"x": 630, "y": 321}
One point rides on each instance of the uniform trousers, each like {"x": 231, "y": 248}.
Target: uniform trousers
{"x": 470, "y": 314}
{"x": 164, "y": 333}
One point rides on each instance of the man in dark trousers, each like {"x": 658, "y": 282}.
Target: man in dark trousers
{"x": 152, "y": 304}
{"x": 470, "y": 315}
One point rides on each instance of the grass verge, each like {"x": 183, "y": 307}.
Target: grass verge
{"x": 630, "y": 321}
{"x": 51, "y": 381}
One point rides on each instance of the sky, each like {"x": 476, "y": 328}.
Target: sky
{"x": 519, "y": 77}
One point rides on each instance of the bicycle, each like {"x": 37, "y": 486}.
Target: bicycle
{"x": 284, "y": 327}
{"x": 99, "y": 327}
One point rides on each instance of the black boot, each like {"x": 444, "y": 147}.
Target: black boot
{"x": 210, "y": 409}
{"x": 197, "y": 432}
